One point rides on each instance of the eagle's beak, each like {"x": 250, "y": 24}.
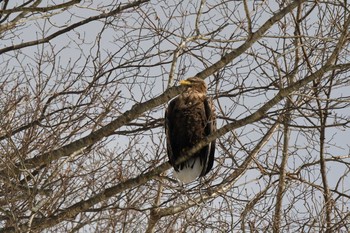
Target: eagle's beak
{"x": 185, "y": 82}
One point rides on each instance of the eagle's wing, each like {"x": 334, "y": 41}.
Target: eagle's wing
{"x": 210, "y": 127}
{"x": 168, "y": 122}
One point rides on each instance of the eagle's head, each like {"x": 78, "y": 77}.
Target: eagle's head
{"x": 195, "y": 84}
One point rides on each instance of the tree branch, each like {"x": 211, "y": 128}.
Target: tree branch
{"x": 71, "y": 27}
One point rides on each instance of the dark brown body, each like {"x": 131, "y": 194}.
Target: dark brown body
{"x": 190, "y": 118}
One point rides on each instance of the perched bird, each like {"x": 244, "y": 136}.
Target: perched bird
{"x": 189, "y": 118}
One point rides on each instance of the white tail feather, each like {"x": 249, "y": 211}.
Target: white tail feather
{"x": 190, "y": 172}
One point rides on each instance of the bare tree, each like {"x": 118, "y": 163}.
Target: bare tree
{"x": 84, "y": 85}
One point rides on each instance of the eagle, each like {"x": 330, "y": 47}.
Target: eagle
{"x": 189, "y": 118}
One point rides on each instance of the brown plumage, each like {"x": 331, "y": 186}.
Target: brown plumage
{"x": 189, "y": 118}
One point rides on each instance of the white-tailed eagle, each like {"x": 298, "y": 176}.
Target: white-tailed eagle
{"x": 189, "y": 118}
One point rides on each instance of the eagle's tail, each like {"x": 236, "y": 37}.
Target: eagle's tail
{"x": 189, "y": 171}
